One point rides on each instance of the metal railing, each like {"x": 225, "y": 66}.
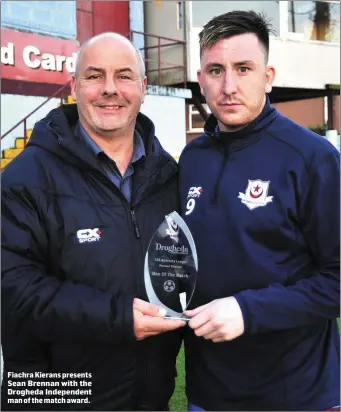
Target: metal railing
{"x": 160, "y": 46}
{"x": 24, "y": 120}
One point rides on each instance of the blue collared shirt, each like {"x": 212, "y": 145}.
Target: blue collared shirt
{"x": 123, "y": 183}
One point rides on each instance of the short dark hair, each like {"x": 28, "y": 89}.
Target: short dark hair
{"x": 234, "y": 23}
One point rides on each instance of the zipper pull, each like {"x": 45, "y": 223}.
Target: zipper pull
{"x": 134, "y": 220}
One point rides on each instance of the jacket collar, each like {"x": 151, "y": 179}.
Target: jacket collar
{"x": 55, "y": 133}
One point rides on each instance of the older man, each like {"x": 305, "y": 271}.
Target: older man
{"x": 80, "y": 205}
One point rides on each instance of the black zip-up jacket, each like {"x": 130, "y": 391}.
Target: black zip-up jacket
{"x": 72, "y": 261}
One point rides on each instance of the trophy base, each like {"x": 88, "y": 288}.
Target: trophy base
{"x": 180, "y": 317}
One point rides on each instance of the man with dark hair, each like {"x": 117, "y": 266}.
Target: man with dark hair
{"x": 263, "y": 332}
{"x": 79, "y": 207}
{"x": 234, "y": 24}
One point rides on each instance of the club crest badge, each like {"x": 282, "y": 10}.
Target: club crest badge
{"x": 256, "y": 194}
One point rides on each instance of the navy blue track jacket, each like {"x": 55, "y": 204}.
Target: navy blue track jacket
{"x": 72, "y": 262}
{"x": 263, "y": 206}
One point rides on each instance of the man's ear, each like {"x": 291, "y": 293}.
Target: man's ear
{"x": 144, "y": 88}
{"x": 270, "y": 75}
{"x": 73, "y": 87}
{"x": 199, "y": 81}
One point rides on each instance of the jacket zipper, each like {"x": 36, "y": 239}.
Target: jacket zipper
{"x": 225, "y": 150}
{"x": 142, "y": 362}
{"x": 135, "y": 223}
{"x": 108, "y": 182}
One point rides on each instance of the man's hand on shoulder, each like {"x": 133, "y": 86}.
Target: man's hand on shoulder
{"x": 149, "y": 321}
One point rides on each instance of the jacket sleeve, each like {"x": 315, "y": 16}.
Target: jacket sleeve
{"x": 316, "y": 297}
{"x": 34, "y": 302}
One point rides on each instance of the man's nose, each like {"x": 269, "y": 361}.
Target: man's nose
{"x": 229, "y": 83}
{"x": 109, "y": 86}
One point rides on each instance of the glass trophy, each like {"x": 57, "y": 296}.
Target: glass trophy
{"x": 171, "y": 266}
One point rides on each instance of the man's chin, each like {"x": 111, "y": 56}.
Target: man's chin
{"x": 109, "y": 128}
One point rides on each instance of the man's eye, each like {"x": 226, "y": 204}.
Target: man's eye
{"x": 244, "y": 69}
{"x": 215, "y": 72}
{"x": 123, "y": 77}
{"x": 93, "y": 77}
